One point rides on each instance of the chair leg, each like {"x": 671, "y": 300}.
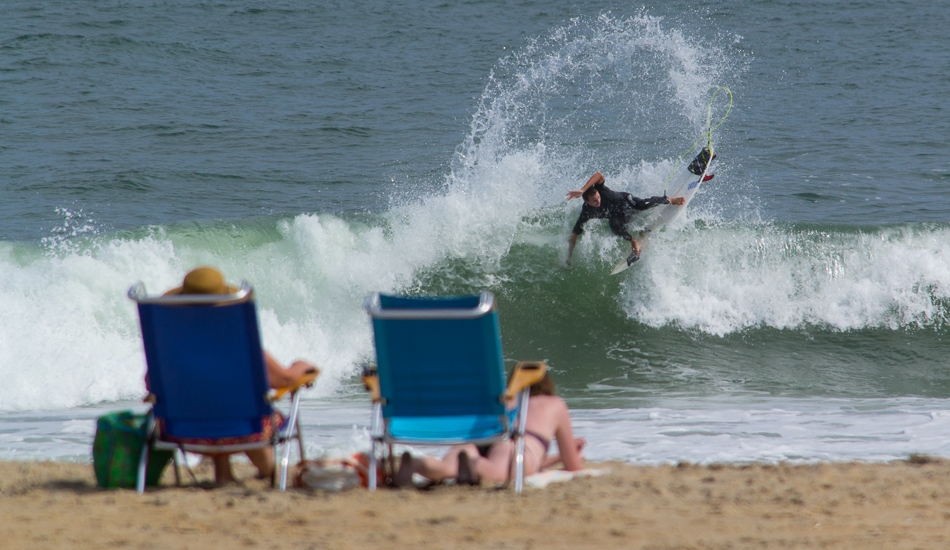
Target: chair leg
{"x": 143, "y": 456}
{"x": 519, "y": 459}
{"x": 372, "y": 465}
{"x": 293, "y": 430}
{"x": 175, "y": 456}
{"x": 390, "y": 461}
{"x": 184, "y": 459}
{"x": 143, "y": 462}
{"x": 375, "y": 431}
{"x": 300, "y": 448}
{"x": 284, "y": 466}
{"x": 519, "y": 466}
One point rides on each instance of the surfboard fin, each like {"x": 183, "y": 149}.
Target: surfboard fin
{"x": 708, "y": 177}
{"x": 698, "y": 166}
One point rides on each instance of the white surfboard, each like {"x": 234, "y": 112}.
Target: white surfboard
{"x": 684, "y": 183}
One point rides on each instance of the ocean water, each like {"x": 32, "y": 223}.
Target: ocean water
{"x": 798, "y": 310}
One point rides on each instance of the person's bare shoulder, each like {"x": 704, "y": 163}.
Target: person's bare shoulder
{"x": 549, "y": 402}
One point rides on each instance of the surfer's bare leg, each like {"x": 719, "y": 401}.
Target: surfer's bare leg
{"x": 635, "y": 247}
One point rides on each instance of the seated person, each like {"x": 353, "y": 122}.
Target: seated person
{"x": 208, "y": 280}
{"x": 548, "y": 419}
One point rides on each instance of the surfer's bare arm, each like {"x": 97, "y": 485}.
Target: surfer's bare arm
{"x": 570, "y": 247}
{"x": 596, "y": 179}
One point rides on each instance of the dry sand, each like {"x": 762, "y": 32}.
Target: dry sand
{"x": 899, "y": 505}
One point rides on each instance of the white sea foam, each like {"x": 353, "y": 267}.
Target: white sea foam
{"x": 731, "y": 277}
{"x": 71, "y": 336}
{"x": 700, "y": 431}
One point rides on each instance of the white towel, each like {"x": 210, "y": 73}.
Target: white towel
{"x": 541, "y": 479}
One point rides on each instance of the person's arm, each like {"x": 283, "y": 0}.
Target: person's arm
{"x": 576, "y": 231}
{"x": 596, "y": 179}
{"x": 552, "y": 460}
{"x": 570, "y": 448}
{"x": 570, "y": 246}
{"x": 281, "y": 377}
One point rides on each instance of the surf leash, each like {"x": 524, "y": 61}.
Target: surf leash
{"x": 707, "y": 134}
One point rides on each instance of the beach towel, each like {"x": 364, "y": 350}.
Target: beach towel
{"x": 542, "y": 479}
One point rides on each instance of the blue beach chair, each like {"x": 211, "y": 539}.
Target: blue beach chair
{"x": 440, "y": 377}
{"x": 207, "y": 377}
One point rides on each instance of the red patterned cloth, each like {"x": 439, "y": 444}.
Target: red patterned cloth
{"x": 268, "y": 425}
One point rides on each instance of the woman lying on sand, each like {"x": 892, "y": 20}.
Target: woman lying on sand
{"x": 548, "y": 419}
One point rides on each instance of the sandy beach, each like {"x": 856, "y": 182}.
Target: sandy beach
{"x": 903, "y": 504}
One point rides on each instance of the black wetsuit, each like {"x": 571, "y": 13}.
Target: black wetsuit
{"x": 618, "y": 208}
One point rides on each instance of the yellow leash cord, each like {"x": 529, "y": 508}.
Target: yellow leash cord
{"x": 707, "y": 133}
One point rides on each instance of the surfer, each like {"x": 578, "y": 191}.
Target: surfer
{"x": 618, "y": 207}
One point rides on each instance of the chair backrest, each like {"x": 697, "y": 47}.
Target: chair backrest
{"x": 438, "y": 356}
{"x": 205, "y": 363}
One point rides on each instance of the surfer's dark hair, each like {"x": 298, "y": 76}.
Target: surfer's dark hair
{"x": 588, "y": 193}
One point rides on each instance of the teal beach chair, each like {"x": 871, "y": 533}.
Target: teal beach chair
{"x": 208, "y": 379}
{"x": 440, "y": 376}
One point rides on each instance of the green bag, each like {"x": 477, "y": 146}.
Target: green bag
{"x": 117, "y": 448}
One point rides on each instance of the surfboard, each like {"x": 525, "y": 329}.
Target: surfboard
{"x": 684, "y": 183}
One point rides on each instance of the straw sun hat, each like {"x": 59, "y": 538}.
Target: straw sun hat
{"x": 203, "y": 280}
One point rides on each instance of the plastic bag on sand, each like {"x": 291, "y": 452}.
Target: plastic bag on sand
{"x": 333, "y": 475}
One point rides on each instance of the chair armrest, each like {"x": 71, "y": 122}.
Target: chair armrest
{"x": 526, "y": 373}
{"x": 371, "y": 382}
{"x": 306, "y": 380}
